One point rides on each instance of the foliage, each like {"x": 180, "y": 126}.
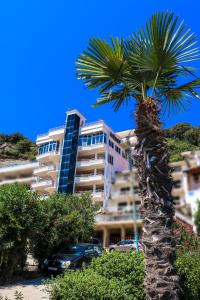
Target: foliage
{"x": 127, "y": 268}
{"x": 62, "y": 220}
{"x": 150, "y": 63}
{"x": 16, "y": 146}
{"x": 176, "y": 147}
{"x": 182, "y": 137}
{"x": 18, "y": 212}
{"x": 17, "y": 296}
{"x": 28, "y": 223}
{"x": 188, "y": 265}
{"x": 120, "y": 276}
{"x": 87, "y": 285}
{"x": 197, "y": 218}
{"x": 113, "y": 276}
{"x": 177, "y": 131}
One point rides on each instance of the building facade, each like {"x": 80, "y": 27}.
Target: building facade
{"x": 90, "y": 157}
{"x": 18, "y": 171}
{"x": 79, "y": 157}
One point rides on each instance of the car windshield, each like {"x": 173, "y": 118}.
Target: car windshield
{"x": 73, "y": 250}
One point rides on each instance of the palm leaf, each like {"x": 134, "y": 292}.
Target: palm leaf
{"x": 103, "y": 64}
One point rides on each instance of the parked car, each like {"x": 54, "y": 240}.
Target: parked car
{"x": 124, "y": 246}
{"x": 71, "y": 258}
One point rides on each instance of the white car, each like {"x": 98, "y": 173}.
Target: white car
{"x": 124, "y": 246}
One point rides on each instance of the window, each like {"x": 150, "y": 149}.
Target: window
{"x": 113, "y": 136}
{"x": 110, "y": 159}
{"x": 69, "y": 152}
{"x": 111, "y": 144}
{"x": 48, "y": 147}
{"x": 122, "y": 205}
{"x": 125, "y": 191}
{"x": 176, "y": 200}
{"x": 196, "y": 178}
{"x": 177, "y": 184}
{"x": 124, "y": 155}
{"x": 117, "y": 149}
{"x": 177, "y": 169}
{"x": 86, "y": 140}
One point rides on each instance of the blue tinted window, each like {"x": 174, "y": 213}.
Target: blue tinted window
{"x": 48, "y": 147}
{"x": 93, "y": 139}
{"x": 68, "y": 158}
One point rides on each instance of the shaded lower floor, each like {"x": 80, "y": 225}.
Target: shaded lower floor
{"x": 113, "y": 233}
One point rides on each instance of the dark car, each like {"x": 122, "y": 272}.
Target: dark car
{"x": 71, "y": 258}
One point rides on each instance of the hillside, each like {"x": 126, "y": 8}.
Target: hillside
{"x": 16, "y": 147}
{"x": 182, "y": 137}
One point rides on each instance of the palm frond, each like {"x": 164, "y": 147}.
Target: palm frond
{"x": 102, "y": 64}
{"x": 121, "y": 95}
{"x": 149, "y": 63}
{"x": 162, "y": 44}
{"x": 177, "y": 98}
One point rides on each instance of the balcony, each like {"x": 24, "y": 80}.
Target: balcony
{"x": 177, "y": 175}
{"x": 123, "y": 217}
{"x": 52, "y": 156}
{"x": 27, "y": 180}
{"x": 44, "y": 185}
{"x": 125, "y": 195}
{"x": 54, "y": 133}
{"x": 25, "y": 167}
{"x": 97, "y": 196}
{"x": 90, "y": 163}
{"x": 44, "y": 171}
{"x": 96, "y": 148}
{"x": 86, "y": 179}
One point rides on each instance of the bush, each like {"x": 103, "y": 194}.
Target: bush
{"x": 87, "y": 285}
{"x": 112, "y": 276}
{"x": 197, "y": 217}
{"x": 62, "y": 220}
{"x": 188, "y": 265}
{"x": 126, "y": 267}
{"x": 18, "y": 212}
{"x": 120, "y": 276}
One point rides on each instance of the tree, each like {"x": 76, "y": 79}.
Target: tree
{"x": 147, "y": 67}
{"x": 178, "y": 131}
{"x": 62, "y": 220}
{"x": 193, "y": 136}
{"x": 197, "y": 218}
{"x": 18, "y": 213}
{"x": 177, "y": 147}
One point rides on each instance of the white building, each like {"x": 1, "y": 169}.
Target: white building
{"x": 19, "y": 171}
{"x": 79, "y": 157}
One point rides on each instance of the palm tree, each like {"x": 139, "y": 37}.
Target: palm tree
{"x": 150, "y": 67}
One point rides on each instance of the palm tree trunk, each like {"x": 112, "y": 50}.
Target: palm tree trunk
{"x": 161, "y": 280}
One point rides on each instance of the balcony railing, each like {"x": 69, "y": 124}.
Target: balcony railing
{"x": 49, "y": 153}
{"x": 90, "y": 191}
{"x": 116, "y": 217}
{"x": 50, "y": 130}
{"x": 43, "y": 183}
{"x": 11, "y": 165}
{"x": 45, "y": 169}
{"x": 29, "y": 180}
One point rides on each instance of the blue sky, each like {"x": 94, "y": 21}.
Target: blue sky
{"x": 40, "y": 41}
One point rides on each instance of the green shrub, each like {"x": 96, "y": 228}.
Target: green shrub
{"x": 112, "y": 276}
{"x": 87, "y": 285}
{"x": 188, "y": 265}
{"x": 62, "y": 220}
{"x": 126, "y": 267}
{"x": 18, "y": 213}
